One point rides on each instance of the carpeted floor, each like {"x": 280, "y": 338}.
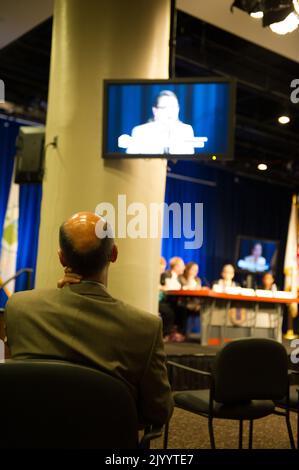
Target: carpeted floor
{"x": 188, "y": 431}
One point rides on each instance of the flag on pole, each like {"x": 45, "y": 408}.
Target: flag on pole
{"x": 291, "y": 267}
{"x": 9, "y": 246}
{"x": 291, "y": 254}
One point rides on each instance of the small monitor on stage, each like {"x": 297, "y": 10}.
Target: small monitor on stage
{"x": 187, "y": 118}
{"x": 256, "y": 255}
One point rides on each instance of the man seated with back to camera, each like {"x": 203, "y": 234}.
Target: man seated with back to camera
{"x": 82, "y": 323}
{"x": 171, "y": 281}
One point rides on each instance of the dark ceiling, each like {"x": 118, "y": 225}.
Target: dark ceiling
{"x": 24, "y": 67}
{"x": 263, "y": 89}
{"x": 263, "y": 94}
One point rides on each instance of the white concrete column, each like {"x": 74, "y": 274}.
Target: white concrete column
{"x": 93, "y": 40}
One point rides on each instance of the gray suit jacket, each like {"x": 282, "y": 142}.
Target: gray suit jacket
{"x": 83, "y": 324}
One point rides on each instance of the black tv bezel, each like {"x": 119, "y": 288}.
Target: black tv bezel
{"x": 257, "y": 239}
{"x": 229, "y": 156}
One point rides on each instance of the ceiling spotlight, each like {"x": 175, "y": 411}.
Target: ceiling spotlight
{"x": 257, "y": 14}
{"x": 262, "y": 166}
{"x": 283, "y": 119}
{"x": 288, "y": 25}
{"x": 247, "y": 5}
{"x": 281, "y": 15}
{"x": 296, "y": 6}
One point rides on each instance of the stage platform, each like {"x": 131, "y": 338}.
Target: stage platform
{"x": 191, "y": 353}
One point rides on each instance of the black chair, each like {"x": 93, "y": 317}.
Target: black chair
{"x": 51, "y": 404}
{"x": 293, "y": 402}
{"x": 246, "y": 377}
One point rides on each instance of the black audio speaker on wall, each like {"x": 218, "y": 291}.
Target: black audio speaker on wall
{"x": 29, "y": 165}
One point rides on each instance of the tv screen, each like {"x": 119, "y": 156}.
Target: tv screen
{"x": 166, "y": 118}
{"x": 256, "y": 255}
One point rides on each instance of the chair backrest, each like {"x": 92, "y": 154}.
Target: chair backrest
{"x": 49, "y": 404}
{"x": 251, "y": 368}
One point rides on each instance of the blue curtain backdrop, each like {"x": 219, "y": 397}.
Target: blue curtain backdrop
{"x": 8, "y": 133}
{"x": 29, "y": 202}
{"x": 234, "y": 206}
{"x": 29, "y": 218}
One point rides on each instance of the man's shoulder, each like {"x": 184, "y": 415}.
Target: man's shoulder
{"x": 36, "y": 299}
{"x": 31, "y": 296}
{"x": 137, "y": 315}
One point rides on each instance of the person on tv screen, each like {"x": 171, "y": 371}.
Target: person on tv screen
{"x": 254, "y": 262}
{"x": 164, "y": 133}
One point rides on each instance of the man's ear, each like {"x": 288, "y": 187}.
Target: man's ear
{"x": 114, "y": 254}
{"x": 62, "y": 258}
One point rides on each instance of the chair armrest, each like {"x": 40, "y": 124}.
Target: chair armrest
{"x": 190, "y": 369}
{"x": 150, "y": 433}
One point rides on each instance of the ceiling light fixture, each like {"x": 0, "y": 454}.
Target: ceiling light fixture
{"x": 262, "y": 167}
{"x": 282, "y": 16}
{"x": 288, "y": 25}
{"x": 284, "y": 119}
{"x": 257, "y": 15}
{"x": 296, "y": 6}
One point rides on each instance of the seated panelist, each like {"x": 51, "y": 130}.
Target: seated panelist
{"x": 227, "y": 277}
{"x": 166, "y": 310}
{"x": 190, "y": 279}
{"x": 268, "y": 282}
{"x": 82, "y": 323}
{"x": 171, "y": 279}
{"x": 163, "y": 265}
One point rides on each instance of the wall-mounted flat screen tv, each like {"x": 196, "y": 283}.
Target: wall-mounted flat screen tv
{"x": 256, "y": 255}
{"x": 189, "y": 119}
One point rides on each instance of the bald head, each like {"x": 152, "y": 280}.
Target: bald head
{"x": 86, "y": 246}
{"x": 81, "y": 231}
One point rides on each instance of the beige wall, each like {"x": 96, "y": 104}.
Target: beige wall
{"x": 17, "y": 17}
{"x": 101, "y": 39}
